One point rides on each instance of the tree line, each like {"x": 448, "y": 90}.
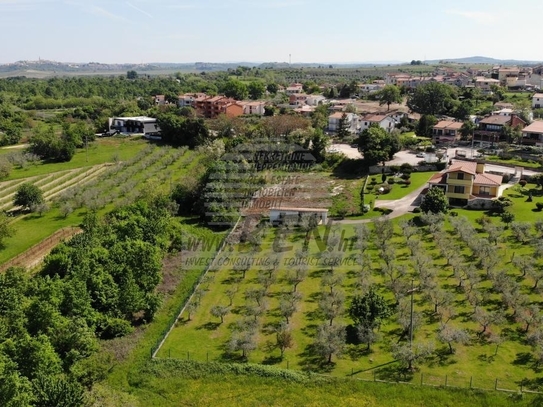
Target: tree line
{"x": 98, "y": 285}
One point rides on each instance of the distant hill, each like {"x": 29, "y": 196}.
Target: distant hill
{"x": 44, "y": 68}
{"x": 482, "y": 60}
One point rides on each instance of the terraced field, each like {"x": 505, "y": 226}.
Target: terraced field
{"x": 71, "y": 193}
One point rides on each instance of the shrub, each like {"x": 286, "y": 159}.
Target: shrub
{"x": 417, "y": 210}
{"x": 523, "y": 183}
{"x": 406, "y": 168}
{"x": 407, "y": 182}
{"x": 453, "y": 213}
{"x": 395, "y": 169}
{"x": 539, "y": 206}
{"x": 406, "y": 176}
{"x": 385, "y": 189}
{"x": 373, "y": 180}
{"x": 440, "y": 166}
{"x": 506, "y": 177}
{"x": 391, "y": 181}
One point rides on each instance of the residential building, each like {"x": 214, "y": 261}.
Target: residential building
{"x": 297, "y": 99}
{"x": 160, "y": 100}
{"x": 334, "y": 121}
{"x": 533, "y": 134}
{"x": 485, "y": 84}
{"x": 537, "y": 101}
{"x": 305, "y": 110}
{"x": 492, "y": 128}
{"x": 294, "y": 88}
{"x": 510, "y": 72}
{"x": 369, "y": 88}
{"x": 397, "y": 79}
{"x": 253, "y": 107}
{"x": 465, "y": 182}
{"x": 212, "y": 107}
{"x": 384, "y": 121}
{"x": 315, "y": 100}
{"x": 446, "y": 132}
{"x": 503, "y": 112}
{"x": 189, "y": 99}
{"x": 136, "y": 125}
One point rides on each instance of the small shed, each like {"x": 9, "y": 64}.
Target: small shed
{"x": 279, "y": 215}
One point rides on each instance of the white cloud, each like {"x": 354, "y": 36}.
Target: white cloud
{"x": 481, "y": 17}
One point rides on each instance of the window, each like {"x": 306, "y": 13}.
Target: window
{"x": 458, "y": 189}
{"x": 460, "y": 175}
{"x": 484, "y": 191}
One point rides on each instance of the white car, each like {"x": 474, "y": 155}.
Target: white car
{"x": 420, "y": 155}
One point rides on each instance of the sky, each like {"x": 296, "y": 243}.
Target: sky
{"x": 309, "y": 31}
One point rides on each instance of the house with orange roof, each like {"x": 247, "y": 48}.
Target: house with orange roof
{"x": 446, "y": 131}
{"x": 294, "y": 88}
{"x": 532, "y": 134}
{"x": 212, "y": 107}
{"x": 466, "y": 183}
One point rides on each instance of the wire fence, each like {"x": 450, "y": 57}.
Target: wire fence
{"x": 398, "y": 377}
{"x": 36, "y": 253}
{"x": 182, "y": 305}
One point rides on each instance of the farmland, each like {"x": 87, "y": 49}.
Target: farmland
{"x": 477, "y": 278}
{"x": 120, "y": 170}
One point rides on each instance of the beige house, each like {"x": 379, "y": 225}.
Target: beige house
{"x": 464, "y": 182}
{"x": 446, "y": 131}
{"x": 532, "y": 135}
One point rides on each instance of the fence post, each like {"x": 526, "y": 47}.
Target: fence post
{"x": 470, "y": 382}
{"x": 169, "y": 353}
{"x": 188, "y": 355}
{"x": 207, "y": 356}
{"x": 496, "y": 385}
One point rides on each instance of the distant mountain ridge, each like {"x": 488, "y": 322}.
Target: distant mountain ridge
{"x": 483, "y": 60}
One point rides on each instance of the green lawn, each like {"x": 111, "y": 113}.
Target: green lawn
{"x": 102, "y": 150}
{"x": 520, "y": 163}
{"x": 398, "y": 191}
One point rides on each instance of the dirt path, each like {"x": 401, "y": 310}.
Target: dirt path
{"x": 35, "y": 255}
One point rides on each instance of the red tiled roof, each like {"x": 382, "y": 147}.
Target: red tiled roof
{"x": 496, "y": 119}
{"x": 376, "y": 118}
{"x": 535, "y": 127}
{"x": 463, "y": 166}
{"x": 439, "y": 178}
{"x": 446, "y": 124}
{"x": 488, "y": 179}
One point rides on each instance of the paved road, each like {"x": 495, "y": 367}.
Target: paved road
{"x": 399, "y": 207}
